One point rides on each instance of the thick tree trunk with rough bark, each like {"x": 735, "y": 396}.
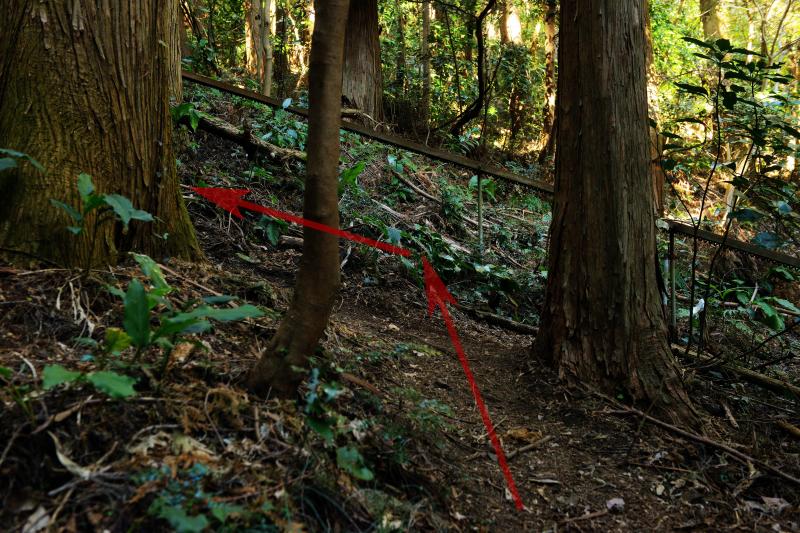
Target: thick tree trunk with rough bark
{"x": 318, "y": 279}
{"x": 363, "y": 79}
{"x": 602, "y": 322}
{"x": 85, "y": 87}
{"x": 258, "y": 40}
{"x": 549, "y": 109}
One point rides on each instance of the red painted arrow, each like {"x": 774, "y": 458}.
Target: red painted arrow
{"x": 439, "y": 296}
{"x": 232, "y": 200}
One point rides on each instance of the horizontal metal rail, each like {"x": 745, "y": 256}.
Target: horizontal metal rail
{"x": 484, "y": 168}
{"x": 386, "y": 138}
{"x": 741, "y": 246}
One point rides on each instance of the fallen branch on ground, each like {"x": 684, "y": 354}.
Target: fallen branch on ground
{"x": 750, "y": 375}
{"x": 250, "y": 142}
{"x": 736, "y": 454}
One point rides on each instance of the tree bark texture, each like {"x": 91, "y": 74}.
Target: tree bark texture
{"x": 258, "y": 39}
{"x": 602, "y": 323}
{"x": 363, "y": 79}
{"x": 318, "y": 279}
{"x": 85, "y": 87}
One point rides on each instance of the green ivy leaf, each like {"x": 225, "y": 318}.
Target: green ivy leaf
{"x": 125, "y": 210}
{"x": 6, "y": 372}
{"x": 350, "y": 460}
{"x": 137, "y": 314}
{"x": 54, "y": 375}
{"x": 115, "y": 385}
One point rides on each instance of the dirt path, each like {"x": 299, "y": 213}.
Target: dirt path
{"x": 587, "y": 461}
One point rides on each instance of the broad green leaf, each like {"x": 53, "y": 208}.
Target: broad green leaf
{"x": 71, "y": 211}
{"x": 54, "y": 375}
{"x": 771, "y": 316}
{"x": 137, "y": 314}
{"x": 747, "y": 215}
{"x": 786, "y": 304}
{"x": 350, "y": 460}
{"x": 768, "y": 240}
{"x": 85, "y": 186}
{"x": 693, "y": 89}
{"x": 7, "y": 163}
{"x": 125, "y": 210}
{"x": 151, "y": 269}
{"x": 182, "y": 522}
{"x": 698, "y": 42}
{"x": 6, "y": 372}
{"x": 323, "y": 427}
{"x": 113, "y": 384}
{"x": 219, "y": 299}
{"x": 221, "y": 511}
{"x": 117, "y": 341}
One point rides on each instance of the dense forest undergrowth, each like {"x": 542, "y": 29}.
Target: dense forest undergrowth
{"x": 385, "y": 436}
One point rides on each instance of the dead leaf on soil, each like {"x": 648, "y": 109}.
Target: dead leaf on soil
{"x": 38, "y": 521}
{"x": 524, "y": 434}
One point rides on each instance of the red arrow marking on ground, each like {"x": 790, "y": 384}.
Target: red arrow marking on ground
{"x": 439, "y": 296}
{"x": 232, "y": 200}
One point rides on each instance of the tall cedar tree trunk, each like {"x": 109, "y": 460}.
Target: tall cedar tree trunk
{"x": 318, "y": 278}
{"x": 549, "y": 111}
{"x": 426, "y": 63}
{"x": 602, "y": 322}
{"x": 85, "y": 88}
{"x": 363, "y": 79}
{"x": 258, "y": 39}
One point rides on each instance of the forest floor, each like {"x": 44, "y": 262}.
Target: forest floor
{"x": 385, "y": 435}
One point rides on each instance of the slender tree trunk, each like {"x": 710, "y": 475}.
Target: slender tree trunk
{"x": 74, "y": 95}
{"x": 709, "y": 14}
{"x": 282, "y": 71}
{"x": 400, "y": 58}
{"x": 426, "y": 63}
{"x": 504, "y": 21}
{"x": 258, "y": 40}
{"x": 549, "y": 110}
{"x": 318, "y": 278}
{"x": 363, "y": 79}
{"x": 602, "y": 322}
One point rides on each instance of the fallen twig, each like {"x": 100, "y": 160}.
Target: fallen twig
{"x": 750, "y": 375}
{"x": 528, "y": 447}
{"x": 736, "y": 454}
